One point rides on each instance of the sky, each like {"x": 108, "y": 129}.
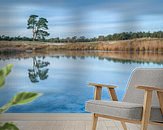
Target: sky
{"x": 89, "y": 18}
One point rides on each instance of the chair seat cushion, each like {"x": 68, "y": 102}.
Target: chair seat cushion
{"x": 131, "y": 111}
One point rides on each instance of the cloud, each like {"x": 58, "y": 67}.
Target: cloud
{"x": 86, "y": 17}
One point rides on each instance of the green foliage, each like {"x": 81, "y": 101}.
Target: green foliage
{"x": 3, "y": 73}
{"x": 42, "y": 23}
{"x": 5, "y": 107}
{"x": 38, "y": 27}
{"x": 19, "y": 99}
{"x": 9, "y": 126}
{"x": 41, "y": 34}
{"x": 32, "y": 21}
{"x": 24, "y": 98}
{"x": 17, "y": 38}
{"x": 6, "y": 70}
{"x": 2, "y": 81}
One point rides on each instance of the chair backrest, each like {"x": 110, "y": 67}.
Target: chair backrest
{"x": 147, "y": 77}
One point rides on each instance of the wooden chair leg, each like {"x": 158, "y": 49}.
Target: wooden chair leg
{"x": 94, "y": 122}
{"x": 146, "y": 110}
{"x": 124, "y": 125}
{"x": 160, "y": 98}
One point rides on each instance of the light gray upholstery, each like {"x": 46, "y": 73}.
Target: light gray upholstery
{"x": 147, "y": 77}
{"x": 131, "y": 111}
{"x": 132, "y": 104}
{"x": 114, "y": 108}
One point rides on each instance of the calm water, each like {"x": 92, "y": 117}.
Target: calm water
{"x": 63, "y": 81}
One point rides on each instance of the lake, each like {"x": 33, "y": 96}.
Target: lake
{"x": 63, "y": 78}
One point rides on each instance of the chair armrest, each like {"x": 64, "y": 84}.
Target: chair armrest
{"x": 150, "y": 88}
{"x": 102, "y": 85}
{"x": 111, "y": 89}
{"x": 148, "y": 98}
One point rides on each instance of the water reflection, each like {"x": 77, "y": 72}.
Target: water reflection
{"x": 122, "y": 57}
{"x": 39, "y": 70}
{"x": 116, "y": 57}
{"x": 67, "y": 88}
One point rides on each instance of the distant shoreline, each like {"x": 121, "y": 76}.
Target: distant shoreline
{"x": 154, "y": 45}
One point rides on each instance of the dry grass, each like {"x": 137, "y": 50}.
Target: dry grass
{"x": 154, "y": 45}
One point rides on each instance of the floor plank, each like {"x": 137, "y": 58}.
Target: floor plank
{"x": 59, "y": 121}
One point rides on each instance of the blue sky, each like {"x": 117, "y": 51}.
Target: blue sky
{"x": 88, "y": 18}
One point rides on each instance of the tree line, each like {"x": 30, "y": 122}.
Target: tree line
{"x": 74, "y": 39}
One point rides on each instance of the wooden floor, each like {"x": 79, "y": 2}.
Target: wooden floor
{"x": 58, "y": 122}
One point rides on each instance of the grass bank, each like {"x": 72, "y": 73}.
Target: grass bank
{"x": 136, "y": 45}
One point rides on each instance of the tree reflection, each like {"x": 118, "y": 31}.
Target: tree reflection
{"x": 39, "y": 70}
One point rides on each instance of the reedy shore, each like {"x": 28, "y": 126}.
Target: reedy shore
{"x": 135, "y": 45}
